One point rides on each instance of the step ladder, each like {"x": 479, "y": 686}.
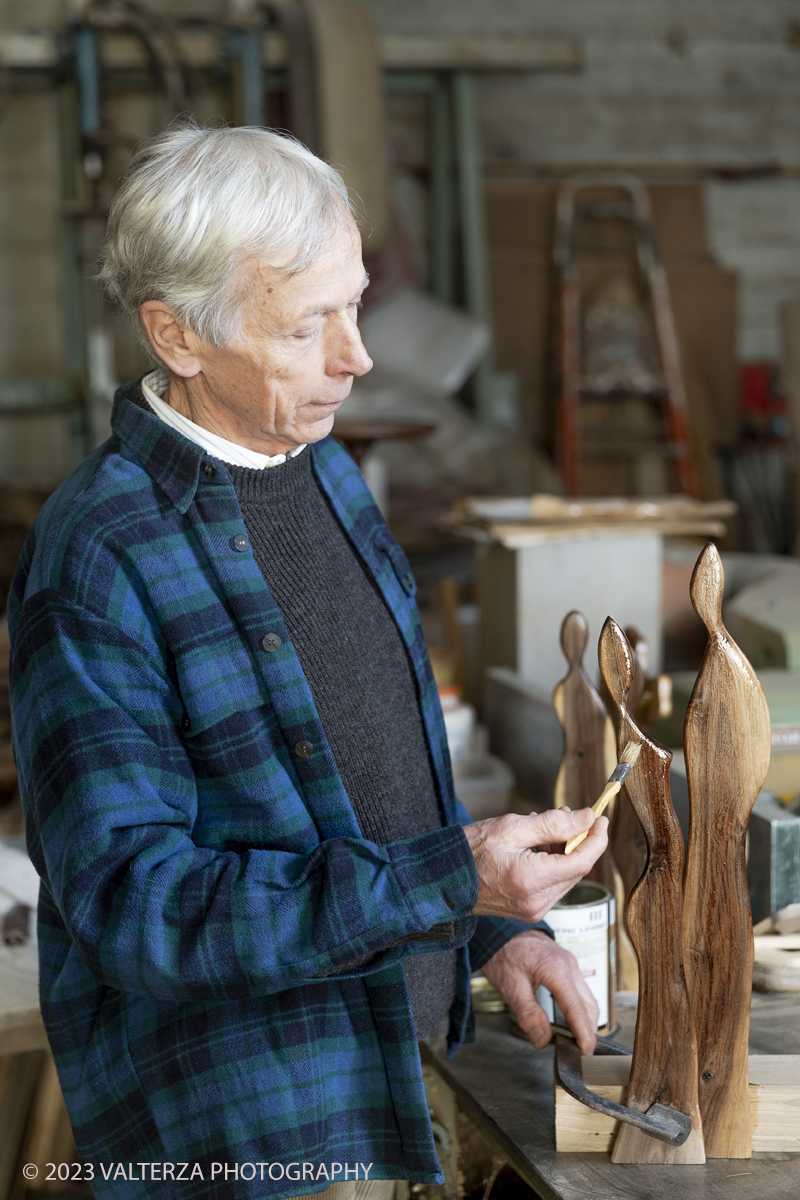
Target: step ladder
{"x": 620, "y": 393}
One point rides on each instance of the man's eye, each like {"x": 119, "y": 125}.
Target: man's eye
{"x": 304, "y": 335}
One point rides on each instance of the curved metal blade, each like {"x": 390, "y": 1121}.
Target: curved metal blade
{"x": 660, "y": 1121}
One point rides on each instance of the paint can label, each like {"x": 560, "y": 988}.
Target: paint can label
{"x": 581, "y": 923}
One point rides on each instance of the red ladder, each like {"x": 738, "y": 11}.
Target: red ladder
{"x": 665, "y": 389}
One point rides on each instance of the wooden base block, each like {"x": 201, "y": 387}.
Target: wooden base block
{"x": 633, "y": 1146}
{"x": 774, "y": 1108}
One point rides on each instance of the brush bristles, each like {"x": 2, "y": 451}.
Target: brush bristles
{"x": 630, "y": 753}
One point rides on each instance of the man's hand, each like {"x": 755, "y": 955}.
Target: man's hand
{"x": 531, "y": 959}
{"x": 516, "y": 883}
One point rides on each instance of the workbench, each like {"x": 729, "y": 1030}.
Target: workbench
{"x": 21, "y": 1028}
{"x": 505, "y": 1088}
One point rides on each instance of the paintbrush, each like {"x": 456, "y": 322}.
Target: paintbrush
{"x": 615, "y": 782}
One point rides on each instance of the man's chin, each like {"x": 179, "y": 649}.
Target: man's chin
{"x": 316, "y": 430}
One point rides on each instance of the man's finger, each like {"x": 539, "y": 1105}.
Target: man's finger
{"x": 531, "y": 1017}
{"x": 548, "y": 828}
{"x": 556, "y": 866}
{"x": 580, "y": 1010}
{"x": 590, "y": 846}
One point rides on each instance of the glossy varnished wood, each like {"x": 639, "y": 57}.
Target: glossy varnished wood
{"x": 664, "y": 1065}
{"x": 727, "y": 746}
{"x": 588, "y": 736}
{"x": 628, "y": 847}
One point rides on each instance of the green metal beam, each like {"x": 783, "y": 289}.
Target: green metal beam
{"x": 441, "y": 198}
{"x": 473, "y": 225}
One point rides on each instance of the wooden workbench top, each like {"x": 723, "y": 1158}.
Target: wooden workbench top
{"x": 21, "y": 1025}
{"x": 505, "y": 1087}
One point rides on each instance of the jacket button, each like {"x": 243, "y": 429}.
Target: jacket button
{"x": 271, "y": 642}
{"x": 408, "y": 583}
{"x": 303, "y": 749}
{"x": 240, "y": 542}
{"x": 209, "y": 470}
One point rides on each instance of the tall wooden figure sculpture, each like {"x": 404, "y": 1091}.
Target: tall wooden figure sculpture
{"x": 589, "y": 750}
{"x": 626, "y": 838}
{"x": 664, "y": 1067}
{"x": 727, "y": 745}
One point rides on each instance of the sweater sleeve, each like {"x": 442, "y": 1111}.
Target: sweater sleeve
{"x": 113, "y": 819}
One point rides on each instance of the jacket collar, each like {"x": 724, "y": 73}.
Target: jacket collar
{"x": 170, "y": 459}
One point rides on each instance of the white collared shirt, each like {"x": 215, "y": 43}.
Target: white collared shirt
{"x": 156, "y": 383}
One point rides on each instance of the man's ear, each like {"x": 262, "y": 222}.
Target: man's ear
{"x": 174, "y": 344}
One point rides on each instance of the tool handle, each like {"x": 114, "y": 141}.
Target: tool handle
{"x": 609, "y": 791}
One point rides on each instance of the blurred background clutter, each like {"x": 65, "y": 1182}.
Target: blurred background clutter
{"x": 582, "y": 224}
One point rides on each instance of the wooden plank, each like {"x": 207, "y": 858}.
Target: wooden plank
{"x": 727, "y": 745}
{"x": 23, "y": 1038}
{"x": 19, "y": 1075}
{"x": 350, "y": 107}
{"x": 777, "y": 964}
{"x": 21, "y": 1027}
{"x": 518, "y": 536}
{"x": 21, "y": 50}
{"x": 665, "y": 1053}
{"x": 488, "y": 53}
{"x": 49, "y": 1137}
{"x": 773, "y": 1098}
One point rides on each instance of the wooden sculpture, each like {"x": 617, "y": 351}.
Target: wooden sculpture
{"x": 664, "y": 1066}
{"x": 628, "y": 845}
{"x": 727, "y": 746}
{"x": 589, "y": 748}
{"x": 590, "y": 754}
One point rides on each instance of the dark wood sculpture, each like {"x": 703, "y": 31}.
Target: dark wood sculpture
{"x": 664, "y": 1067}
{"x": 727, "y": 745}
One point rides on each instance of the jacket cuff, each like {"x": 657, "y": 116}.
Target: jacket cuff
{"x": 491, "y": 935}
{"x": 437, "y": 875}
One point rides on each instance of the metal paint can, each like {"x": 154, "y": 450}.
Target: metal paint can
{"x": 584, "y": 922}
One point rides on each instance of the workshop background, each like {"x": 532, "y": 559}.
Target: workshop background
{"x": 582, "y": 223}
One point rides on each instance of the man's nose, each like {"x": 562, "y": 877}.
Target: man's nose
{"x": 349, "y": 354}
{"x": 364, "y": 360}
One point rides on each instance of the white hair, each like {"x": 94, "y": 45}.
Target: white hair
{"x": 196, "y": 205}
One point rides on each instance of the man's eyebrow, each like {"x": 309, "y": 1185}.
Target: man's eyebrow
{"x": 308, "y": 312}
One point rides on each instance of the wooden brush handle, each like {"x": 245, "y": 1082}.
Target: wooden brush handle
{"x": 598, "y": 808}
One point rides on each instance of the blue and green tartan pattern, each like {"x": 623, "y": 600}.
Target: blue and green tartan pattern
{"x": 198, "y": 876}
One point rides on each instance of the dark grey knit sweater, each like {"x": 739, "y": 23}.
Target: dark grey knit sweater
{"x": 358, "y": 671}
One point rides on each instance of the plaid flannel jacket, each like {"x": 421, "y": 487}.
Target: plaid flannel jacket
{"x": 201, "y": 880}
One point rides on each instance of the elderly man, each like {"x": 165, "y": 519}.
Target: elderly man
{"x": 257, "y": 893}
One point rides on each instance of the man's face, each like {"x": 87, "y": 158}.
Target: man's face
{"x": 279, "y": 384}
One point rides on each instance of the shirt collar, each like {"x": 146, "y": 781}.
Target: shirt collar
{"x": 170, "y": 459}
{"x": 153, "y": 387}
